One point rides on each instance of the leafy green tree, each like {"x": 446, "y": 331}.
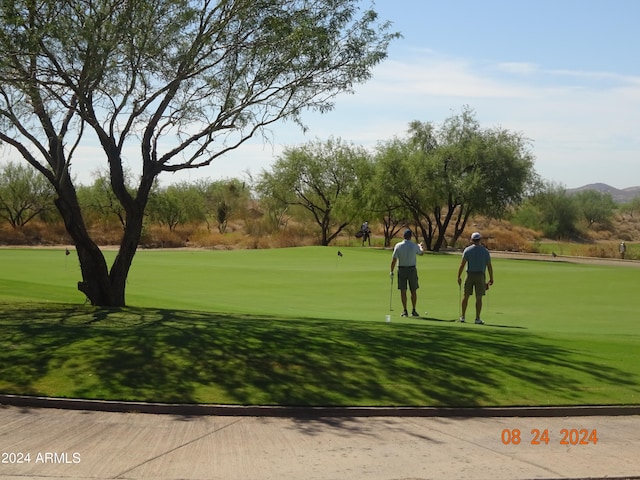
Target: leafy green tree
{"x": 477, "y": 171}
{"x": 528, "y": 215}
{"x": 323, "y": 178}
{"x": 23, "y": 194}
{"x": 177, "y": 204}
{"x": 595, "y": 207}
{"x": 182, "y": 82}
{"x": 276, "y": 213}
{"x": 224, "y": 200}
{"x": 632, "y": 207}
{"x": 382, "y": 201}
{"x": 100, "y": 203}
{"x": 449, "y": 173}
{"x": 401, "y": 174}
{"x": 166, "y": 207}
{"x": 551, "y": 210}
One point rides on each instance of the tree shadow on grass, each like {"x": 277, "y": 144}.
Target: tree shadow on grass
{"x": 199, "y": 357}
{"x": 455, "y": 320}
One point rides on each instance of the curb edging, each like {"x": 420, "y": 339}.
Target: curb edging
{"x": 317, "y": 411}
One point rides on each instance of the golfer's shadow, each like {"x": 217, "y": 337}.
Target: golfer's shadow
{"x": 442, "y": 320}
{"x": 497, "y": 325}
{"x": 455, "y": 320}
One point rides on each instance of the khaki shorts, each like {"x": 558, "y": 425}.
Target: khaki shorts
{"x": 475, "y": 281}
{"x": 408, "y": 275}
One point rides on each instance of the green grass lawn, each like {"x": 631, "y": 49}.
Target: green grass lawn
{"x": 304, "y": 326}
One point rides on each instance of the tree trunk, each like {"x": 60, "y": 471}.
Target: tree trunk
{"x": 102, "y": 287}
{"x": 95, "y": 282}
{"x": 443, "y": 225}
{"x": 427, "y": 233}
{"x": 461, "y": 222}
{"x": 336, "y": 233}
{"x": 124, "y": 259}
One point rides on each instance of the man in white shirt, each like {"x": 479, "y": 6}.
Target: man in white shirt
{"x": 405, "y": 254}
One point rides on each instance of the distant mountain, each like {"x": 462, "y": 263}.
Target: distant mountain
{"x": 624, "y": 195}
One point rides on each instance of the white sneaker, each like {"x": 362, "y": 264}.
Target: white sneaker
{"x": 462, "y": 319}
{"x": 479, "y": 322}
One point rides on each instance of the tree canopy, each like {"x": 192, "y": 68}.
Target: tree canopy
{"x": 449, "y": 172}
{"x": 165, "y": 85}
{"x": 324, "y": 179}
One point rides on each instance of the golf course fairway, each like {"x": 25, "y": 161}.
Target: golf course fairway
{"x": 306, "y": 326}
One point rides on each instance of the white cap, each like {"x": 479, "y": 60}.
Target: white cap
{"x": 476, "y": 236}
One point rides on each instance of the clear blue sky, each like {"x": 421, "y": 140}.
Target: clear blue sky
{"x": 564, "y": 73}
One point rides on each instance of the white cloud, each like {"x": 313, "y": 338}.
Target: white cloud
{"x": 518, "y": 68}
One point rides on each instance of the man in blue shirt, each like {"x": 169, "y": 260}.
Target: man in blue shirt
{"x": 404, "y": 254}
{"x": 478, "y": 260}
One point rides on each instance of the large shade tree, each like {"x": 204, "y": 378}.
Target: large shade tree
{"x": 489, "y": 170}
{"x": 445, "y": 174}
{"x": 165, "y": 85}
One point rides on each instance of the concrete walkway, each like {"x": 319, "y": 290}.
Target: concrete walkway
{"x": 51, "y": 443}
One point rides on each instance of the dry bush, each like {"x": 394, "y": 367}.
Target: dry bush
{"x": 12, "y": 236}
{"x": 215, "y": 240}
{"x": 34, "y": 233}
{"x": 510, "y": 240}
{"x": 258, "y": 242}
{"x": 106, "y": 236}
{"x": 627, "y": 227}
{"x": 161, "y": 237}
{"x": 295, "y": 234}
{"x": 502, "y": 235}
{"x": 602, "y": 234}
{"x": 601, "y": 250}
{"x": 292, "y": 237}
{"x": 628, "y": 235}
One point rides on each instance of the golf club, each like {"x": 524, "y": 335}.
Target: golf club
{"x": 486, "y": 297}
{"x": 391, "y": 295}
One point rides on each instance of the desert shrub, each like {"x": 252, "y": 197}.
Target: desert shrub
{"x": 34, "y": 233}
{"x": 258, "y": 227}
{"x": 216, "y": 240}
{"x": 600, "y": 234}
{"x": 517, "y": 239}
{"x": 161, "y": 237}
{"x": 291, "y": 237}
{"x": 501, "y": 235}
{"x": 627, "y": 235}
{"x": 106, "y": 236}
{"x": 12, "y": 236}
{"x": 601, "y": 250}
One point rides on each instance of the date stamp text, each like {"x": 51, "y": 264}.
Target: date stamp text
{"x": 566, "y": 436}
